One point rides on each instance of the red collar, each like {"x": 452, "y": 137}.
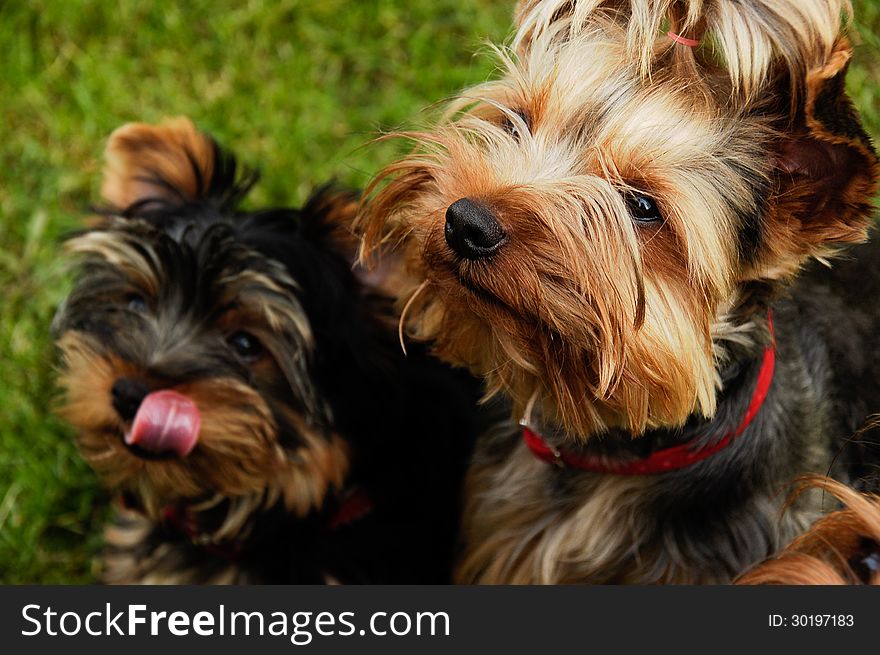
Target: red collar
{"x": 668, "y": 459}
{"x": 354, "y": 505}
{"x": 181, "y": 519}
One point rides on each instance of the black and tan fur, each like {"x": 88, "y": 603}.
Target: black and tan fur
{"x": 617, "y": 329}
{"x": 293, "y": 363}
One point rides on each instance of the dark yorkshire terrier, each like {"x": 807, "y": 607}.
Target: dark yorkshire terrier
{"x": 621, "y": 236}
{"x": 244, "y": 391}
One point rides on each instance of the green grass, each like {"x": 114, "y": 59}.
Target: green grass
{"x": 297, "y": 87}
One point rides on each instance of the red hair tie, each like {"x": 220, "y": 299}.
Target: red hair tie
{"x": 690, "y": 43}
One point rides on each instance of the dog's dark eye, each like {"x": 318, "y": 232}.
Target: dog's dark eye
{"x": 245, "y": 345}
{"x": 136, "y": 303}
{"x": 642, "y": 208}
{"x": 512, "y": 127}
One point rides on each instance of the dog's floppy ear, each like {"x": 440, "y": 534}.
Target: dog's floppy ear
{"x": 827, "y": 168}
{"x": 171, "y": 164}
{"x": 328, "y": 215}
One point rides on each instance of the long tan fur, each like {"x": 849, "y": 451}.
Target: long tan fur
{"x": 841, "y": 548}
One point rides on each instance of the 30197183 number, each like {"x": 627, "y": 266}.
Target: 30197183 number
{"x": 811, "y": 621}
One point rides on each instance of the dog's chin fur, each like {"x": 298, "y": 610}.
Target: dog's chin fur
{"x": 238, "y": 454}
{"x": 602, "y": 325}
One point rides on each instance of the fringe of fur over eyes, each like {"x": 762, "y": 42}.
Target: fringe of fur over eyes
{"x": 746, "y": 37}
{"x": 841, "y": 548}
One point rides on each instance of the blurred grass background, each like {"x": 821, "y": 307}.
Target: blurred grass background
{"x": 296, "y": 87}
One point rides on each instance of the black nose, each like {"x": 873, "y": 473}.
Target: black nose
{"x": 127, "y": 396}
{"x": 471, "y": 230}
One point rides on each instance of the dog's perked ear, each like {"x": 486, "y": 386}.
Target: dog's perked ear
{"x": 151, "y": 167}
{"x": 831, "y": 164}
{"x": 826, "y": 168}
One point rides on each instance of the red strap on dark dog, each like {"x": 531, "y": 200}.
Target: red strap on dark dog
{"x": 668, "y": 459}
{"x": 180, "y": 519}
{"x": 356, "y": 504}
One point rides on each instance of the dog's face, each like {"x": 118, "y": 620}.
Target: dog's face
{"x": 186, "y": 348}
{"x": 581, "y": 233}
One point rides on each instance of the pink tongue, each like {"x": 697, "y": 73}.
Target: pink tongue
{"x": 166, "y": 421}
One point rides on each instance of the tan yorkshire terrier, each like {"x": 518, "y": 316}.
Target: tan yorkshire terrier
{"x": 621, "y": 236}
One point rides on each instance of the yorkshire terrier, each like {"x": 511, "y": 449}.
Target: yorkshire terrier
{"x": 243, "y": 389}
{"x": 841, "y": 548}
{"x": 620, "y": 235}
